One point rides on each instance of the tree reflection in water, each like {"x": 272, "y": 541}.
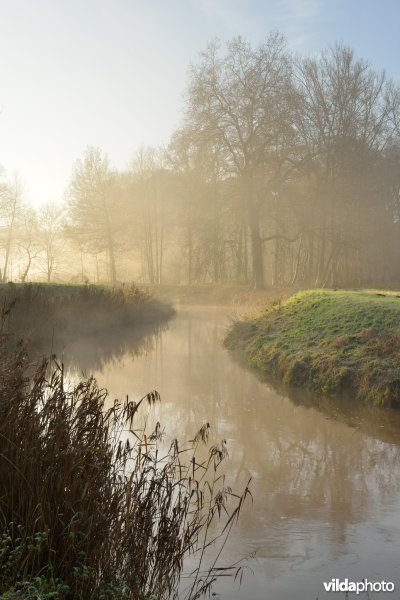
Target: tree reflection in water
{"x": 326, "y": 482}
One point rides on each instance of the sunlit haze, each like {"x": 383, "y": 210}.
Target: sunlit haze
{"x": 199, "y": 212}
{"x": 113, "y": 74}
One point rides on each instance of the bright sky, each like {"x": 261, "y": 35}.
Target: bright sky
{"x": 112, "y": 73}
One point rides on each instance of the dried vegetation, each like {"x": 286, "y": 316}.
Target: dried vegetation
{"x": 93, "y": 507}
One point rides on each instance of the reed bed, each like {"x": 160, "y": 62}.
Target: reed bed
{"x": 68, "y": 309}
{"x": 92, "y": 507}
{"x": 88, "y": 325}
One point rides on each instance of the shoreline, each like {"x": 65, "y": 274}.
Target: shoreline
{"x": 337, "y": 343}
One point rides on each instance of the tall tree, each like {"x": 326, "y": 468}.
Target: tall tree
{"x": 346, "y": 116}
{"x": 10, "y": 211}
{"x": 241, "y": 102}
{"x": 50, "y": 228}
{"x": 94, "y": 215}
{"x": 148, "y": 196}
{"x": 28, "y": 241}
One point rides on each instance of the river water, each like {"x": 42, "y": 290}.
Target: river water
{"x": 325, "y": 480}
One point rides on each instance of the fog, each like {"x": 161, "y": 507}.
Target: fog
{"x": 283, "y": 171}
{"x": 325, "y": 482}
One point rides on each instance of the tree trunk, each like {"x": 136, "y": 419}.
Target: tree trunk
{"x": 190, "y": 257}
{"x": 26, "y": 270}
{"x": 255, "y": 237}
{"x": 113, "y": 270}
{"x": 160, "y": 264}
{"x": 257, "y": 255}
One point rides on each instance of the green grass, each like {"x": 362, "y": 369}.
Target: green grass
{"x": 334, "y": 342}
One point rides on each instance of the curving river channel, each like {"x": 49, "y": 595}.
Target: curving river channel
{"x": 325, "y": 480}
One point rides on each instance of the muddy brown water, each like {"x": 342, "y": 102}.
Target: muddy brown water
{"x": 325, "y": 479}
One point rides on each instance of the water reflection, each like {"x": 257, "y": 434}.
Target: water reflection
{"x": 326, "y": 481}
{"x": 89, "y": 353}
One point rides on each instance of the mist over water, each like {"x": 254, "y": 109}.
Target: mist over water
{"x": 326, "y": 489}
{"x": 280, "y": 172}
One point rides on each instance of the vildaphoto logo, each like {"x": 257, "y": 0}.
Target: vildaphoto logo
{"x": 344, "y": 585}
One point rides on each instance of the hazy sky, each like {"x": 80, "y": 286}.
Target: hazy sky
{"x": 111, "y": 73}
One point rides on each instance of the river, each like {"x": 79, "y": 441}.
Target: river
{"x": 326, "y": 484}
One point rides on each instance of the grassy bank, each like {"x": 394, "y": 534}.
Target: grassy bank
{"x": 82, "y": 306}
{"x": 332, "y": 342}
{"x": 52, "y": 316}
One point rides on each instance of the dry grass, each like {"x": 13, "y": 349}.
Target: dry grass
{"x": 85, "y": 324}
{"x": 92, "y": 508}
{"x": 67, "y": 309}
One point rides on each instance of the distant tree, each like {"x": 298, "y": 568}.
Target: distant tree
{"x": 242, "y": 103}
{"x": 201, "y": 208}
{"x": 148, "y": 196}
{"x": 10, "y": 211}
{"x": 94, "y": 215}
{"x": 50, "y": 229}
{"x": 347, "y": 118}
{"x": 28, "y": 240}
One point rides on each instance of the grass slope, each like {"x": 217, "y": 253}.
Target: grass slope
{"x": 334, "y": 342}
{"x": 84, "y": 308}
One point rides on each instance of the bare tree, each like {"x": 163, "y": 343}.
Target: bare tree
{"x": 28, "y": 240}
{"x": 10, "y": 210}
{"x": 148, "y": 196}
{"x": 241, "y": 102}
{"x": 346, "y": 118}
{"x": 51, "y": 223}
{"x": 94, "y": 212}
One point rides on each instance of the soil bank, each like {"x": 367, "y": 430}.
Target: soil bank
{"x": 343, "y": 343}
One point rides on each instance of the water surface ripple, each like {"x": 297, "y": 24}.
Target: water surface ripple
{"x": 325, "y": 481}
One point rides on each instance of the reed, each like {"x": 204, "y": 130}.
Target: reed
{"x": 92, "y": 507}
{"x": 68, "y": 309}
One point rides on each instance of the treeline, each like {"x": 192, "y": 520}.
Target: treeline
{"x": 285, "y": 170}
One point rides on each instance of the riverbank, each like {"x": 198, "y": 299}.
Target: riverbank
{"x": 340, "y": 343}
{"x": 37, "y": 309}
{"x": 218, "y": 294}
{"x": 88, "y": 509}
